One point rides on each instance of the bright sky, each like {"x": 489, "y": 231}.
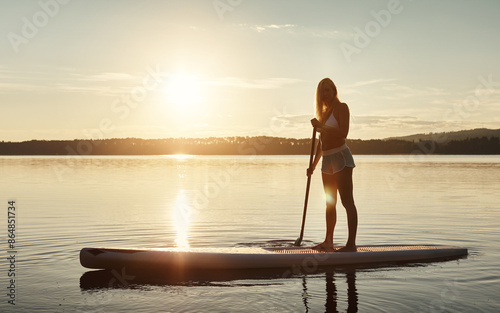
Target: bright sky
{"x": 162, "y": 68}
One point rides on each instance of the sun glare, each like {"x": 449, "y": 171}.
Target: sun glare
{"x": 180, "y": 156}
{"x": 183, "y": 92}
{"x": 181, "y": 215}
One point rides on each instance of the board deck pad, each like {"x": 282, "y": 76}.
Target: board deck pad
{"x": 260, "y": 257}
{"x": 359, "y": 249}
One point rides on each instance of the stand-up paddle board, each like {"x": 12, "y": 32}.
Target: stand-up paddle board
{"x": 260, "y": 258}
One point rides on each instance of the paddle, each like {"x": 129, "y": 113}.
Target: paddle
{"x": 299, "y": 240}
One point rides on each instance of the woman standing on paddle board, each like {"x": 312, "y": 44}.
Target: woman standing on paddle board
{"x": 332, "y": 121}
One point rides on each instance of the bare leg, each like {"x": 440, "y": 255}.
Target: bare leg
{"x": 330, "y": 187}
{"x": 345, "y": 190}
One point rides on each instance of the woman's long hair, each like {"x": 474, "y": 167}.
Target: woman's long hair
{"x": 321, "y": 107}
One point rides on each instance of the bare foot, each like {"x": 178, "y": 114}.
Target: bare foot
{"x": 324, "y": 247}
{"x": 347, "y": 249}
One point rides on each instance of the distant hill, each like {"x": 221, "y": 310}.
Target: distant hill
{"x": 445, "y": 137}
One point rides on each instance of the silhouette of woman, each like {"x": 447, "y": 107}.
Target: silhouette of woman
{"x": 332, "y": 122}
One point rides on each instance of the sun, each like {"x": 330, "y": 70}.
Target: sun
{"x": 183, "y": 91}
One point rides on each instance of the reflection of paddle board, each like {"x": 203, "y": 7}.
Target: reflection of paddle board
{"x": 255, "y": 258}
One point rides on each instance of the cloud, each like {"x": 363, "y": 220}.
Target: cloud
{"x": 401, "y": 91}
{"x": 20, "y": 87}
{"x": 110, "y": 77}
{"x": 23, "y": 81}
{"x": 389, "y": 89}
{"x": 293, "y": 29}
{"x": 292, "y": 121}
{"x": 354, "y": 88}
{"x": 65, "y": 80}
{"x": 266, "y": 83}
{"x": 91, "y": 89}
{"x": 377, "y": 127}
{"x": 290, "y": 126}
{"x": 389, "y": 122}
{"x": 262, "y": 28}
{"x": 369, "y": 82}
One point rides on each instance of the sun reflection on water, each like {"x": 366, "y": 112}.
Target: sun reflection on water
{"x": 181, "y": 216}
{"x": 179, "y": 156}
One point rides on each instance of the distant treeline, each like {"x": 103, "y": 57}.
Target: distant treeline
{"x": 240, "y": 146}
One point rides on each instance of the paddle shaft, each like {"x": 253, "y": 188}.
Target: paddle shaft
{"x": 313, "y": 141}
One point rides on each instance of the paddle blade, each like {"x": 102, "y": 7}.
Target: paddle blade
{"x": 298, "y": 241}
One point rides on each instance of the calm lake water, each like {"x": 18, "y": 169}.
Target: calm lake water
{"x": 64, "y": 204}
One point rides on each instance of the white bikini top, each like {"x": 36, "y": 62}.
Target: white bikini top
{"x": 332, "y": 121}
